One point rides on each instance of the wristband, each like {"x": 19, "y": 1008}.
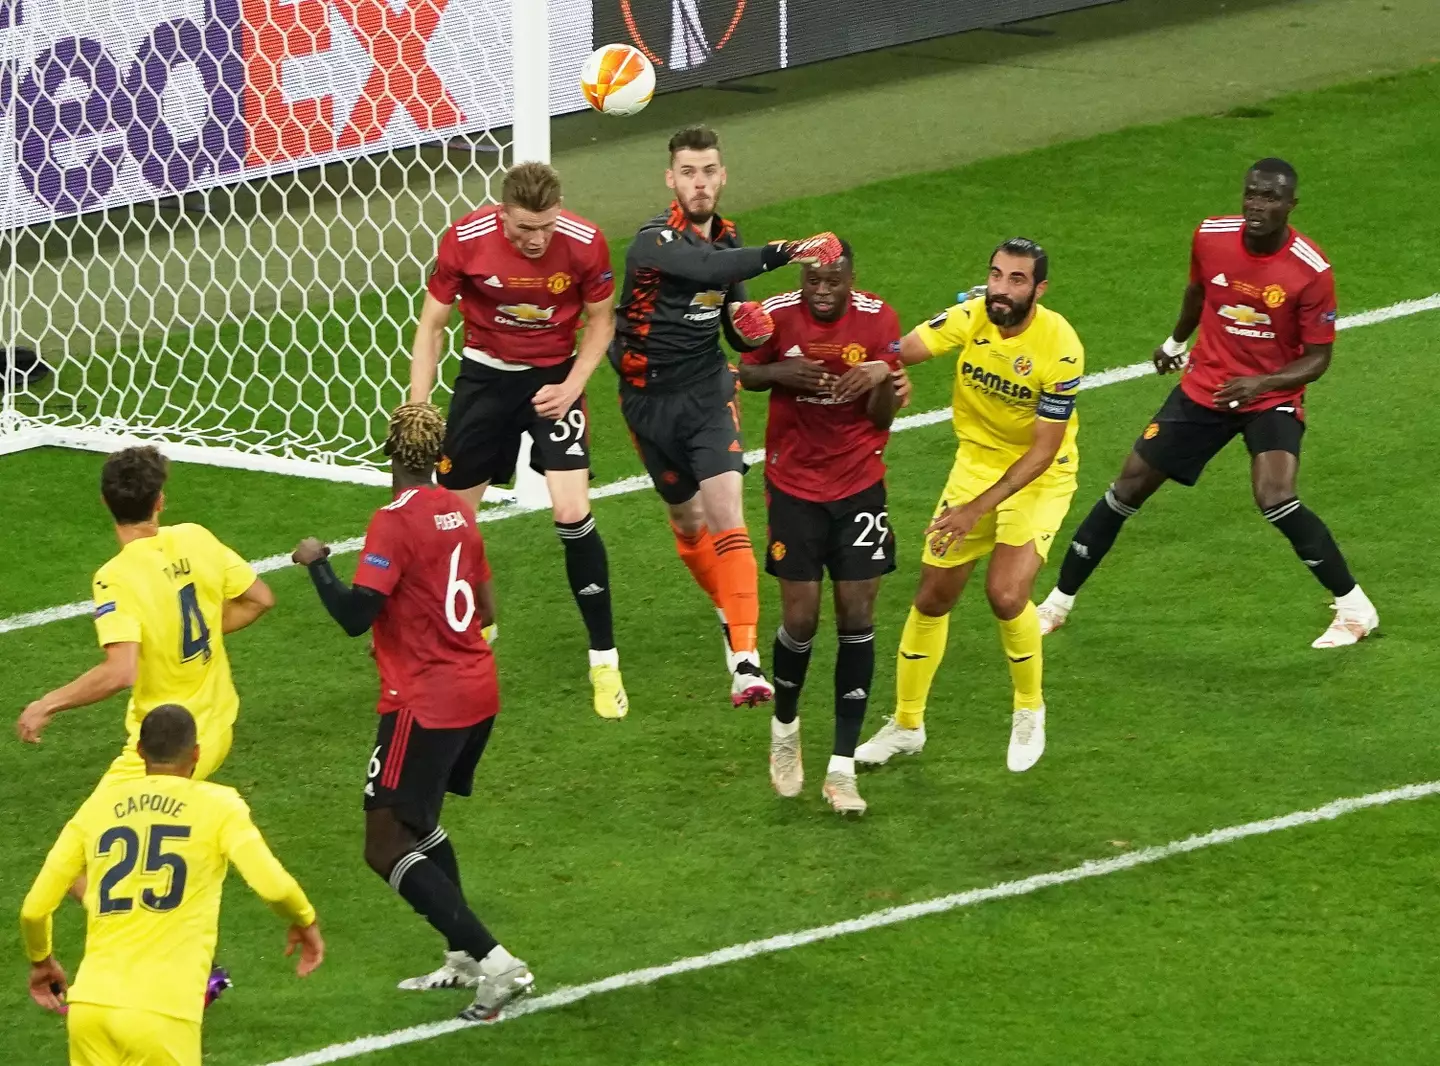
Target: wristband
{"x": 774, "y": 255}
{"x": 1173, "y": 348}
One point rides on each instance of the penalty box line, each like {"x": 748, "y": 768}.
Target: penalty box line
{"x": 639, "y": 482}
{"x": 562, "y": 997}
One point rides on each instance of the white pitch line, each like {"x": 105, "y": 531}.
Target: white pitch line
{"x": 562, "y": 997}
{"x": 639, "y": 482}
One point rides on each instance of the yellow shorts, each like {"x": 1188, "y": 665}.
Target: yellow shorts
{"x": 214, "y": 746}
{"x": 1032, "y": 515}
{"x": 116, "y": 1036}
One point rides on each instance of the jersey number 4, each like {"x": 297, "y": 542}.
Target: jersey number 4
{"x": 194, "y": 633}
{"x": 126, "y": 840}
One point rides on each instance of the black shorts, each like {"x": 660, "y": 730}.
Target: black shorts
{"x": 686, "y": 437}
{"x": 412, "y": 767}
{"x": 851, "y": 538}
{"x": 489, "y": 411}
{"x": 1186, "y": 435}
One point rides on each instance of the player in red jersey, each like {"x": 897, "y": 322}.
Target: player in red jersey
{"x": 1263, "y": 297}
{"x": 828, "y": 367}
{"x": 424, "y": 586}
{"x": 525, "y": 272}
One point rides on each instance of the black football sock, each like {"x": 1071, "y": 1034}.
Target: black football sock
{"x": 437, "y": 899}
{"x": 589, "y": 572}
{"x": 790, "y": 659}
{"x": 438, "y": 849}
{"x": 1313, "y": 543}
{"x": 854, "y": 671}
{"x": 1092, "y": 540}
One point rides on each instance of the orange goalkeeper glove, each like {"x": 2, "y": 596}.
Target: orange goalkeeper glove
{"x": 752, "y": 322}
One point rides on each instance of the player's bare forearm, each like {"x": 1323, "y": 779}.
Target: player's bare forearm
{"x": 757, "y": 377}
{"x": 883, "y": 404}
{"x": 1311, "y": 366}
{"x": 913, "y": 350}
{"x": 246, "y": 608}
{"x": 1036, "y": 460}
{"x": 485, "y": 603}
{"x": 594, "y": 343}
{"x": 1191, "y": 307}
{"x": 115, "y": 674}
{"x": 425, "y": 352}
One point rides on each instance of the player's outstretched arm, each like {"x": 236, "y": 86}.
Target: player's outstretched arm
{"x": 117, "y": 672}
{"x": 245, "y": 608}
{"x": 354, "y": 608}
{"x": 429, "y": 343}
{"x": 913, "y": 349}
{"x": 704, "y": 264}
{"x": 552, "y": 401}
{"x": 247, "y": 851}
{"x": 955, "y": 522}
{"x": 1170, "y": 355}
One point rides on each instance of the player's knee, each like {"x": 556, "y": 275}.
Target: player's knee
{"x": 932, "y": 601}
{"x": 1271, "y": 493}
{"x": 382, "y": 855}
{"x": 1007, "y": 599}
{"x": 855, "y": 611}
{"x": 801, "y": 623}
{"x": 687, "y": 518}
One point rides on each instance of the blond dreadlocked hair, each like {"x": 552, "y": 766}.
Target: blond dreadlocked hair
{"x": 417, "y": 436}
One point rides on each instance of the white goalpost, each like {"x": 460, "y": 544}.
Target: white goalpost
{"x": 217, "y": 216}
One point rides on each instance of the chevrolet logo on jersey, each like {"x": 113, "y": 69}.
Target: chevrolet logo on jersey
{"x": 526, "y": 316}
{"x": 1245, "y": 319}
{"x": 705, "y": 305}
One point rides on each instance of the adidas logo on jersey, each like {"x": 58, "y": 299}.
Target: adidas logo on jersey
{"x": 1220, "y": 279}
{"x": 494, "y": 282}
{"x": 794, "y": 352}
{"x": 575, "y": 449}
{"x": 591, "y": 589}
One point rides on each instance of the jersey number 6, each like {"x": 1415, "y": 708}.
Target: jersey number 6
{"x": 458, "y": 587}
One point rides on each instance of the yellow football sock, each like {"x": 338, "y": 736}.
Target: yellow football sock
{"x": 1020, "y": 637}
{"x": 922, "y": 646}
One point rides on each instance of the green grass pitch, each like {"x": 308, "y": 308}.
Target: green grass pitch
{"x": 1183, "y": 697}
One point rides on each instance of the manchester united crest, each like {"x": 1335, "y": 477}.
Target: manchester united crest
{"x": 1273, "y": 296}
{"x": 853, "y": 354}
{"x": 558, "y": 283}
{"x": 1152, "y": 431}
{"x": 444, "y": 465}
{"x": 777, "y": 550}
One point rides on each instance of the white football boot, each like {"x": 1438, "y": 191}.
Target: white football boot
{"x": 1027, "y": 739}
{"x": 1355, "y": 619}
{"x": 459, "y": 971}
{"x": 842, "y": 795}
{"x": 748, "y": 687}
{"x": 1054, "y": 611}
{"x": 787, "y": 771}
{"x": 892, "y": 739}
{"x": 502, "y": 978}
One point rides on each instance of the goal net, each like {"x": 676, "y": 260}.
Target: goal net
{"x": 217, "y": 215}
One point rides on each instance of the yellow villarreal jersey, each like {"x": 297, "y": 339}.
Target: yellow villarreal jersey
{"x": 167, "y": 593}
{"x": 155, "y": 851}
{"x": 1004, "y": 385}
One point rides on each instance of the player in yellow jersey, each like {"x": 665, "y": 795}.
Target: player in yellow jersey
{"x": 1019, "y": 366}
{"x": 162, "y": 607}
{"x": 156, "y": 848}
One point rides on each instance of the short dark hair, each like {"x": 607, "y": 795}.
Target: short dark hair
{"x": 531, "y": 187}
{"x": 694, "y": 139}
{"x": 167, "y": 734}
{"x": 131, "y": 481}
{"x": 1278, "y": 167}
{"x": 1024, "y": 246}
{"x": 847, "y": 251}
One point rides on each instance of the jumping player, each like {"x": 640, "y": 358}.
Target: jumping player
{"x": 424, "y": 585}
{"x": 828, "y": 367}
{"x": 163, "y": 606}
{"x": 524, "y": 273}
{"x": 684, "y": 275}
{"x": 1263, "y": 297}
{"x": 156, "y": 847}
{"x": 1015, "y": 385}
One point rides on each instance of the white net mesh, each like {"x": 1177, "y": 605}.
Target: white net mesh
{"x": 218, "y": 213}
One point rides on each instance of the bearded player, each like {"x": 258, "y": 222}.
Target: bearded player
{"x": 1016, "y": 379}
{"x": 423, "y": 584}
{"x": 828, "y": 367}
{"x": 1263, "y": 298}
{"x": 684, "y": 282}
{"x": 525, "y": 273}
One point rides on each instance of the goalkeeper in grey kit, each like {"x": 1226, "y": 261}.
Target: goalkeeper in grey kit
{"x": 684, "y": 283}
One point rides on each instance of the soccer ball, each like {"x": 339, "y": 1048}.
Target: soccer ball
{"x": 617, "y": 80}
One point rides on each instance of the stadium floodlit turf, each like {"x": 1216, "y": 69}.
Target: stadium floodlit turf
{"x": 1183, "y": 697}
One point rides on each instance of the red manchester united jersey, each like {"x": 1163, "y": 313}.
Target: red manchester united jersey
{"x": 521, "y": 310}
{"x": 1260, "y": 310}
{"x": 425, "y": 554}
{"x": 815, "y": 448}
